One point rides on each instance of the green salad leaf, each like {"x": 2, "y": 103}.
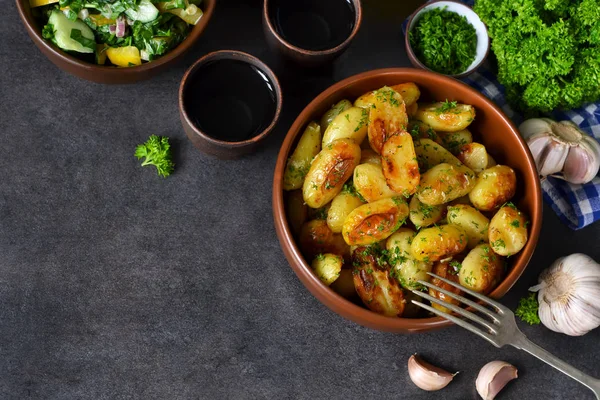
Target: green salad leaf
{"x": 157, "y": 151}
{"x": 76, "y": 35}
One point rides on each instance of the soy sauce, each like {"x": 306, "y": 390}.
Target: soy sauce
{"x": 313, "y": 24}
{"x": 230, "y": 100}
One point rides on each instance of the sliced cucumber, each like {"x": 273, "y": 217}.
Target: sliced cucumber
{"x": 145, "y": 12}
{"x": 63, "y": 27}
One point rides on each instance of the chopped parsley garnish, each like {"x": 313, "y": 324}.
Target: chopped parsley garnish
{"x": 157, "y": 152}
{"x": 527, "y": 310}
{"x": 515, "y": 223}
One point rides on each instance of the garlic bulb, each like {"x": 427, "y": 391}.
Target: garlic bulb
{"x": 427, "y": 376}
{"x": 569, "y": 295}
{"x": 562, "y": 150}
{"x": 493, "y": 377}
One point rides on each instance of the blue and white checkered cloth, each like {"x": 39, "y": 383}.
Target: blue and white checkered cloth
{"x": 576, "y": 205}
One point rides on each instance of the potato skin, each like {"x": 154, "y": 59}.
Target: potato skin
{"x": 405, "y": 268}
{"x": 474, "y": 155}
{"x": 333, "y": 112}
{"x": 409, "y": 91}
{"x": 399, "y": 164}
{"x": 316, "y": 238}
{"x": 439, "y": 242}
{"x": 422, "y": 215}
{"x": 298, "y": 164}
{"x": 296, "y": 210}
{"x": 369, "y": 156}
{"x": 494, "y": 187}
{"x": 430, "y": 153}
{"x": 377, "y": 289}
{"x": 508, "y": 231}
{"x": 376, "y": 221}
{"x": 341, "y": 206}
{"x": 472, "y": 221}
{"x": 349, "y": 124}
{"x": 444, "y": 183}
{"x": 481, "y": 269}
{"x": 451, "y": 120}
{"x": 329, "y": 171}
{"x": 387, "y": 117}
{"x": 444, "y": 270}
{"x": 327, "y": 267}
{"x": 370, "y": 182}
{"x": 452, "y": 141}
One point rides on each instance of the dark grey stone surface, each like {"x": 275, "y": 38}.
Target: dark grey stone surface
{"x": 117, "y": 284}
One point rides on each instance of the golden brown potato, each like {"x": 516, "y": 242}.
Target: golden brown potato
{"x": 370, "y": 182}
{"x": 430, "y": 153}
{"x": 412, "y": 110}
{"x": 329, "y": 171}
{"x": 333, "y": 112}
{"x": 387, "y": 117}
{"x": 375, "y": 221}
{"x": 445, "y": 270}
{"x": 298, "y": 164}
{"x": 409, "y": 91}
{"x": 405, "y": 268}
{"x": 399, "y": 163}
{"x": 508, "y": 231}
{"x": 377, "y": 289}
{"x": 296, "y": 210}
{"x": 350, "y": 124}
{"x": 344, "y": 284}
{"x": 446, "y": 117}
{"x": 327, "y": 267}
{"x": 472, "y": 221}
{"x": 341, "y": 206}
{"x": 444, "y": 183}
{"x": 452, "y": 141}
{"x": 474, "y": 156}
{"x": 420, "y": 130}
{"x": 494, "y": 187}
{"x": 369, "y": 156}
{"x": 481, "y": 269}
{"x": 438, "y": 242}
{"x": 316, "y": 238}
{"x": 422, "y": 215}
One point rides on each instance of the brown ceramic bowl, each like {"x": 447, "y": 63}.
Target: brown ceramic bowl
{"x": 110, "y": 74}
{"x": 483, "y": 39}
{"x": 304, "y": 57}
{"x": 202, "y": 140}
{"x": 491, "y": 127}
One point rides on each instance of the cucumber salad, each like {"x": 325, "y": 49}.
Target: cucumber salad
{"x": 117, "y": 32}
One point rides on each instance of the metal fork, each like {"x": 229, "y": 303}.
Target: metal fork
{"x": 500, "y": 329}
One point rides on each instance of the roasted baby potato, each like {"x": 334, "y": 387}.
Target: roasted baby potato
{"x": 445, "y": 270}
{"x": 452, "y": 141}
{"x": 370, "y": 182}
{"x": 376, "y": 288}
{"x": 374, "y": 221}
{"x": 420, "y": 130}
{"x": 316, "y": 238}
{"x": 399, "y": 164}
{"x": 298, "y": 164}
{"x": 327, "y": 267}
{"x": 412, "y": 110}
{"x": 474, "y": 156}
{"x": 387, "y": 117}
{"x": 481, "y": 269}
{"x": 438, "y": 242}
{"x": 409, "y": 91}
{"x": 494, "y": 187}
{"x": 333, "y": 112}
{"x": 369, "y": 156}
{"x": 430, "y": 153}
{"x": 422, "y": 215}
{"x": 341, "y": 206}
{"x": 508, "y": 231}
{"x": 405, "y": 268}
{"x": 350, "y": 124}
{"x": 344, "y": 284}
{"x": 329, "y": 171}
{"x": 446, "y": 117}
{"x": 444, "y": 183}
{"x": 491, "y": 162}
{"x": 472, "y": 221}
{"x": 296, "y": 210}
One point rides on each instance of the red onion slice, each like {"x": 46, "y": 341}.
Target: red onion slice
{"x": 120, "y": 32}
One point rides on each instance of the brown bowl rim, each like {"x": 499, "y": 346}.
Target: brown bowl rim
{"x": 413, "y": 57}
{"x": 357, "y": 22}
{"x": 336, "y": 302}
{"x": 239, "y": 56}
{"x": 32, "y": 27}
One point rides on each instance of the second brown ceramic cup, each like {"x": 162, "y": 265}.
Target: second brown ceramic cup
{"x": 306, "y": 23}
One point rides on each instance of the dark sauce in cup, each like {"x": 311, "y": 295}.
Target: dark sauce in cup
{"x": 314, "y": 25}
{"x": 230, "y": 100}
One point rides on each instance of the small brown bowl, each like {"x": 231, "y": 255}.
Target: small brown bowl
{"x": 110, "y": 74}
{"x": 483, "y": 38}
{"x": 496, "y": 132}
{"x": 305, "y": 57}
{"x": 222, "y": 148}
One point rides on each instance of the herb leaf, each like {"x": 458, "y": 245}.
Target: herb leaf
{"x": 527, "y": 310}
{"x": 157, "y": 152}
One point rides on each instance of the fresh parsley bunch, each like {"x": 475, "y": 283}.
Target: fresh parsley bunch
{"x": 157, "y": 152}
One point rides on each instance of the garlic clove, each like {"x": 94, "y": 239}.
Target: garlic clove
{"x": 426, "y": 376}
{"x": 535, "y": 125}
{"x": 493, "y": 377}
{"x": 549, "y": 154}
{"x": 580, "y": 166}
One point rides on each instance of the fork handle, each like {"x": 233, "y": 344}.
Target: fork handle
{"x": 527, "y": 345}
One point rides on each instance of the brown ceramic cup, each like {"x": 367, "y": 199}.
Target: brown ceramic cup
{"x": 201, "y": 139}
{"x": 491, "y": 127}
{"x": 110, "y": 74}
{"x": 302, "y": 56}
